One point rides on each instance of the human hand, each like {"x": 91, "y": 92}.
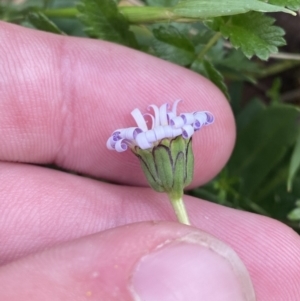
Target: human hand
{"x": 60, "y": 99}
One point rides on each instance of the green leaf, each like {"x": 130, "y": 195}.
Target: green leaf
{"x": 104, "y": 21}
{"x": 294, "y": 164}
{"x": 237, "y": 61}
{"x": 40, "y": 21}
{"x": 173, "y": 46}
{"x": 164, "y": 3}
{"x": 292, "y": 4}
{"x": 207, "y": 69}
{"x": 204, "y": 9}
{"x": 251, "y": 111}
{"x": 294, "y": 215}
{"x": 262, "y": 143}
{"x": 254, "y": 34}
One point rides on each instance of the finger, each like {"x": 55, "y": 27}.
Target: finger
{"x": 62, "y": 97}
{"x": 45, "y": 207}
{"x": 173, "y": 262}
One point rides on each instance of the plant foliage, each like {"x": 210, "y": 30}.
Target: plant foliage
{"x": 226, "y": 41}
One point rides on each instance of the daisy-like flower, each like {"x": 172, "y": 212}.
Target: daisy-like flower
{"x": 164, "y": 148}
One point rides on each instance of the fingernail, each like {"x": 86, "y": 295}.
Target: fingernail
{"x": 195, "y": 267}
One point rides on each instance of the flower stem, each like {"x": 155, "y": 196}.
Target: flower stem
{"x": 210, "y": 43}
{"x": 68, "y": 12}
{"x": 133, "y": 14}
{"x": 179, "y": 208}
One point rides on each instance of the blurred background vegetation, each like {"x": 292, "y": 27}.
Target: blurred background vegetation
{"x": 238, "y": 53}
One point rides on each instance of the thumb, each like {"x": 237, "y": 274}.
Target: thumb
{"x": 144, "y": 261}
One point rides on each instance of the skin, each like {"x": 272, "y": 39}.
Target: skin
{"x": 60, "y": 99}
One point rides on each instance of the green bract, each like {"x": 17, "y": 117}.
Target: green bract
{"x": 168, "y": 166}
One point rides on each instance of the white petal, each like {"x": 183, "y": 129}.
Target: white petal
{"x": 159, "y": 133}
{"x": 177, "y": 122}
{"x": 210, "y": 118}
{"x": 168, "y": 131}
{"x": 110, "y": 144}
{"x": 142, "y": 142}
{"x": 174, "y": 108}
{"x": 176, "y": 132}
{"x": 170, "y": 116}
{"x": 121, "y": 146}
{"x": 188, "y": 118}
{"x": 150, "y": 136}
{"x": 156, "y": 115}
{"x": 163, "y": 110}
{"x": 188, "y": 131}
{"x": 152, "y": 120}
{"x": 200, "y": 120}
{"x": 129, "y": 133}
{"x": 139, "y": 119}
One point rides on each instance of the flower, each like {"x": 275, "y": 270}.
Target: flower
{"x": 165, "y": 124}
{"x": 164, "y": 149}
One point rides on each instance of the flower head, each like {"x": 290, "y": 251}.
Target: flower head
{"x": 164, "y": 149}
{"x": 165, "y": 124}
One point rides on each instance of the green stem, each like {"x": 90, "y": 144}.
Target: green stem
{"x": 278, "y": 68}
{"x": 133, "y": 14}
{"x": 146, "y": 14}
{"x": 68, "y": 12}
{"x": 179, "y": 208}
{"x": 210, "y": 43}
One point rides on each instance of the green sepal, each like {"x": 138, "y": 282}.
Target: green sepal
{"x": 149, "y": 169}
{"x": 168, "y": 166}
{"x": 189, "y": 163}
{"x": 162, "y": 160}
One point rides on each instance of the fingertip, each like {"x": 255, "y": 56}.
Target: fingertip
{"x": 143, "y": 261}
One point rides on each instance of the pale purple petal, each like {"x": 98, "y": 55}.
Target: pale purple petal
{"x": 142, "y": 142}
{"x": 129, "y": 133}
{"x": 116, "y": 134}
{"x": 139, "y": 119}
{"x": 165, "y": 124}
{"x": 188, "y": 118}
{"x": 156, "y": 115}
{"x": 210, "y": 118}
{"x": 200, "y": 120}
{"x": 187, "y": 131}
{"x": 174, "y": 108}
{"x": 121, "y": 145}
{"x": 177, "y": 122}
{"x": 163, "y": 114}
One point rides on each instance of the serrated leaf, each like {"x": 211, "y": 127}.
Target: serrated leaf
{"x": 292, "y": 4}
{"x": 207, "y": 69}
{"x": 204, "y": 9}
{"x": 254, "y": 33}
{"x": 173, "y": 46}
{"x": 294, "y": 164}
{"x": 104, "y": 21}
{"x": 41, "y": 22}
{"x": 262, "y": 143}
